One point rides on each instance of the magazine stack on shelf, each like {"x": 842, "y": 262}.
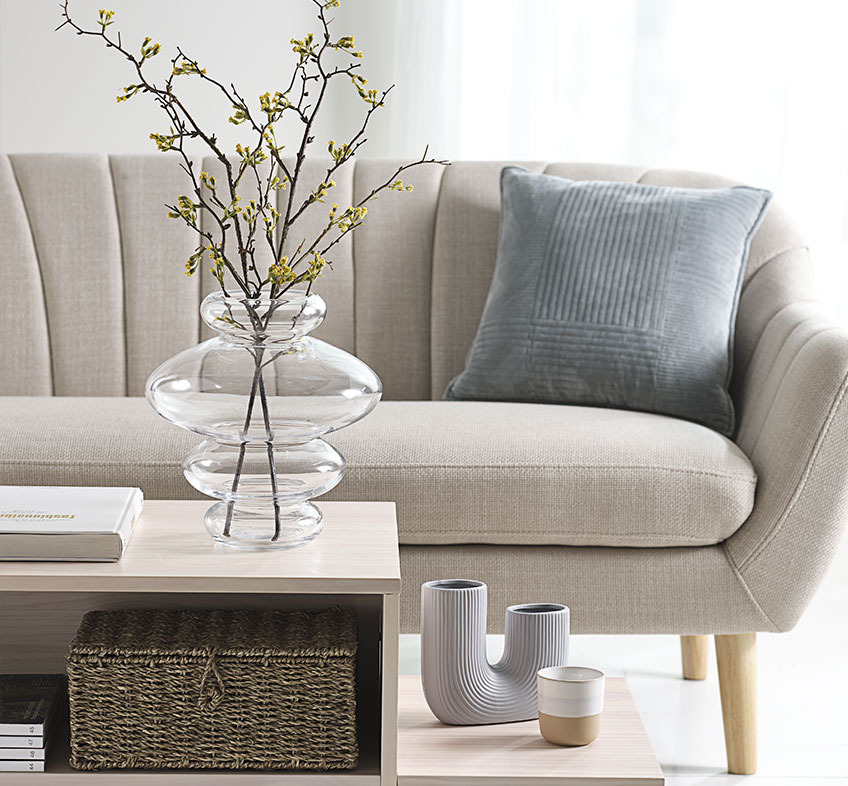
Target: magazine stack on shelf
{"x": 30, "y": 707}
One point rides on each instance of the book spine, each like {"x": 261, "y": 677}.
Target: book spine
{"x": 22, "y": 729}
{"x": 128, "y": 521}
{"x": 21, "y": 766}
{"x": 20, "y": 742}
{"x": 22, "y": 753}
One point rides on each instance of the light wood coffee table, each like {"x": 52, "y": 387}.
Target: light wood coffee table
{"x": 515, "y": 754}
{"x": 171, "y": 562}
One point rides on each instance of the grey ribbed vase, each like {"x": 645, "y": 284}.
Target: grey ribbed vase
{"x": 460, "y": 685}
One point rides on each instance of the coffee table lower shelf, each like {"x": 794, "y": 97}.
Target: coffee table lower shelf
{"x": 60, "y": 773}
{"x": 431, "y": 754}
{"x": 515, "y": 754}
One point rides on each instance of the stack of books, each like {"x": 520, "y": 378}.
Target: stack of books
{"x": 30, "y": 706}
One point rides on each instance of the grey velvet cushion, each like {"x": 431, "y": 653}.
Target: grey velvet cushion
{"x": 614, "y": 294}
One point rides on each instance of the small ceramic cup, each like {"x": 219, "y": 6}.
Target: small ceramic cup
{"x": 571, "y": 700}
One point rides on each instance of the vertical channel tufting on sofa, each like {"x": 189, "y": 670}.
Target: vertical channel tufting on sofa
{"x": 122, "y": 267}
{"x": 393, "y": 253}
{"x": 23, "y": 319}
{"x": 336, "y": 286}
{"x": 71, "y": 210}
{"x": 160, "y": 302}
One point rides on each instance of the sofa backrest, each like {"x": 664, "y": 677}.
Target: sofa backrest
{"x": 96, "y": 297}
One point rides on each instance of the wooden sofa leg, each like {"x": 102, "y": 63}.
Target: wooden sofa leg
{"x": 694, "y": 652}
{"x": 737, "y": 676}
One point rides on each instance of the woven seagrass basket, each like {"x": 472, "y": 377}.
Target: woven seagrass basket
{"x": 213, "y": 689}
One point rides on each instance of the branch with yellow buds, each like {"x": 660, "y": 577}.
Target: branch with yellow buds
{"x": 257, "y": 164}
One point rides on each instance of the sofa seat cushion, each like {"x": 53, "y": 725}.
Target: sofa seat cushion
{"x": 460, "y": 472}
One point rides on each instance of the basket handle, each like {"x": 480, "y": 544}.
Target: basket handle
{"x": 211, "y": 685}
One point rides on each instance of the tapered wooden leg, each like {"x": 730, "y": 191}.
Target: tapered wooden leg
{"x": 737, "y": 676}
{"x": 694, "y": 652}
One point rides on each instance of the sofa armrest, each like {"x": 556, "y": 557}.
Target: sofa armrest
{"x": 793, "y": 425}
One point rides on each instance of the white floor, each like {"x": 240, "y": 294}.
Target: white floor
{"x": 803, "y": 696}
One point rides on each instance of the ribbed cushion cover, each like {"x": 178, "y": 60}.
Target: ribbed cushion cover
{"x": 614, "y": 294}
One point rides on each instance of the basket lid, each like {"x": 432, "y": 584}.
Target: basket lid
{"x": 246, "y": 633}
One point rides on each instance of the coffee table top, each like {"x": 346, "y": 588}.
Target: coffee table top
{"x": 515, "y": 754}
{"x": 170, "y": 551}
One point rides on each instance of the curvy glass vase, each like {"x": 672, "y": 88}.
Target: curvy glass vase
{"x": 263, "y": 393}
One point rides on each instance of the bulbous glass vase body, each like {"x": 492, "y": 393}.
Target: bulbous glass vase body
{"x": 263, "y": 393}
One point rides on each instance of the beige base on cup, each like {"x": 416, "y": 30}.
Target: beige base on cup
{"x": 570, "y": 731}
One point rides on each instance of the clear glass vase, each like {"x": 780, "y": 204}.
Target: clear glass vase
{"x": 263, "y": 393}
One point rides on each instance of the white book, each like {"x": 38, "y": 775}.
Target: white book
{"x": 61, "y": 523}
{"x": 21, "y": 766}
{"x": 18, "y": 741}
{"x": 30, "y": 754}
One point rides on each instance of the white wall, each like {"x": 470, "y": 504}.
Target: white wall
{"x": 754, "y": 90}
{"x": 57, "y": 90}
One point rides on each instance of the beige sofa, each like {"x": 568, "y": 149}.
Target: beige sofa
{"x": 640, "y": 523}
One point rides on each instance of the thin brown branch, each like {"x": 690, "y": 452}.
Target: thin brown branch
{"x": 310, "y": 69}
{"x": 362, "y": 202}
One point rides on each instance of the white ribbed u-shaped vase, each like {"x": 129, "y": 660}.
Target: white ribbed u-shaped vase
{"x": 461, "y": 686}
